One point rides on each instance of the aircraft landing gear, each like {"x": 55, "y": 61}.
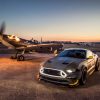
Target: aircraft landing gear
{"x": 14, "y": 57}
{"x": 20, "y": 58}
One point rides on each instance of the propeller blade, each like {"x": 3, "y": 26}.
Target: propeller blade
{"x": 2, "y": 29}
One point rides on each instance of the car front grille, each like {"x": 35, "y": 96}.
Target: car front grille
{"x": 52, "y": 72}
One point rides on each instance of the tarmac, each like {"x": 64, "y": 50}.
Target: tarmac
{"x": 18, "y": 81}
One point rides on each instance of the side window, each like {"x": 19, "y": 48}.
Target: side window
{"x": 89, "y": 53}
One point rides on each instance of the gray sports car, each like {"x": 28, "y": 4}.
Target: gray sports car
{"x": 71, "y": 67}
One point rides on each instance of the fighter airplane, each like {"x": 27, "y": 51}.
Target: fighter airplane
{"x": 21, "y": 46}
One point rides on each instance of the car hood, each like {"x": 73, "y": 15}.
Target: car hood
{"x": 63, "y": 63}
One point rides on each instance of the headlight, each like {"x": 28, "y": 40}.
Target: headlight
{"x": 69, "y": 71}
{"x": 41, "y": 69}
{"x": 63, "y": 74}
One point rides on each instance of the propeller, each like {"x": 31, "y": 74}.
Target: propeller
{"x": 2, "y": 29}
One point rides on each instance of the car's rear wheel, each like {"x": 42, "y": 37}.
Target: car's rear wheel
{"x": 83, "y": 78}
{"x": 97, "y": 66}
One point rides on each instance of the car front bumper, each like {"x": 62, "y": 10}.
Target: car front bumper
{"x": 63, "y": 81}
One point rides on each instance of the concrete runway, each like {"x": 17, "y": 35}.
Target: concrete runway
{"x": 18, "y": 82}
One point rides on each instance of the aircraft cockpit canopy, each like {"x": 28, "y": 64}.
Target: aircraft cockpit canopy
{"x": 13, "y": 37}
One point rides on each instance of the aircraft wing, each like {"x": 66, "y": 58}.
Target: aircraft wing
{"x": 42, "y": 48}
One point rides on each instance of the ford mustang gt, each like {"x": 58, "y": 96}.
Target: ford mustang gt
{"x": 70, "y": 67}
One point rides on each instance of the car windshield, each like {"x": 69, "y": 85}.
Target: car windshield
{"x": 73, "y": 53}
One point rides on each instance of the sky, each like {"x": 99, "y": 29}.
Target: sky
{"x": 62, "y": 20}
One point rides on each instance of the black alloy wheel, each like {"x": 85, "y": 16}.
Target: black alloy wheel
{"x": 83, "y": 77}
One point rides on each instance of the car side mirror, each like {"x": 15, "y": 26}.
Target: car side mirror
{"x": 90, "y": 57}
{"x": 55, "y": 52}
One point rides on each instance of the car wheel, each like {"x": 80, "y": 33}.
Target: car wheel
{"x": 20, "y": 58}
{"x": 97, "y": 66}
{"x": 83, "y": 77}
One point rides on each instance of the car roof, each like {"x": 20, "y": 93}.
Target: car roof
{"x": 77, "y": 49}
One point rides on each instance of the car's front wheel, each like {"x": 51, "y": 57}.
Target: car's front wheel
{"x": 83, "y": 78}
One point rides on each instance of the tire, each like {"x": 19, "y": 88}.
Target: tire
{"x": 20, "y": 58}
{"x": 97, "y": 66}
{"x": 83, "y": 78}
